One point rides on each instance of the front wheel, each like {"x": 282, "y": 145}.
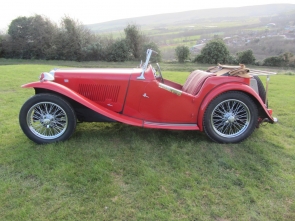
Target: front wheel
{"x": 47, "y": 118}
{"x": 230, "y": 118}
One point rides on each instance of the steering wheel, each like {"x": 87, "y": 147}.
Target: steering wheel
{"x": 160, "y": 73}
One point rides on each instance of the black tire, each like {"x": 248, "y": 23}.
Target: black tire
{"x": 261, "y": 89}
{"x": 230, "y": 118}
{"x": 47, "y": 118}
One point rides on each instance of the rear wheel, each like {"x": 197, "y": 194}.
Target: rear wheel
{"x": 47, "y": 118}
{"x": 230, "y": 117}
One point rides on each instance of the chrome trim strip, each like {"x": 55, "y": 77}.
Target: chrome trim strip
{"x": 170, "y": 89}
{"x": 168, "y": 124}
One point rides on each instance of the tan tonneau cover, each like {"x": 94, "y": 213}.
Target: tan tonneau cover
{"x": 238, "y": 71}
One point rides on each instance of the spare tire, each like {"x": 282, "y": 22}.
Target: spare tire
{"x": 261, "y": 89}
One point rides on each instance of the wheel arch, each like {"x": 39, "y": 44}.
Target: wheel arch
{"x": 262, "y": 110}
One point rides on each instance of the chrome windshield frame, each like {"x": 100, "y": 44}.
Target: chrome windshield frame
{"x": 146, "y": 63}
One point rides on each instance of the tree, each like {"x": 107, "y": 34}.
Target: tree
{"x": 72, "y": 40}
{"x": 214, "y": 52}
{"x": 30, "y": 37}
{"x": 18, "y": 28}
{"x": 134, "y": 40}
{"x": 246, "y": 57}
{"x": 19, "y": 38}
{"x": 182, "y": 53}
{"x": 43, "y": 32}
{"x": 154, "y": 47}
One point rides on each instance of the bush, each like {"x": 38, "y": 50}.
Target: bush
{"x": 273, "y": 61}
{"x": 214, "y": 52}
{"x": 118, "y": 51}
{"x": 232, "y": 60}
{"x": 286, "y": 59}
{"x": 246, "y": 57}
{"x": 198, "y": 58}
{"x": 258, "y": 63}
{"x": 182, "y": 53}
{"x": 94, "y": 52}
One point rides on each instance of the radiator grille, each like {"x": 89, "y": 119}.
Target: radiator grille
{"x": 99, "y": 93}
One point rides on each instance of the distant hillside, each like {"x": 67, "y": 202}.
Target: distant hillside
{"x": 190, "y": 17}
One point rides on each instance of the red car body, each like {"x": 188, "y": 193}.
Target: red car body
{"x": 138, "y": 97}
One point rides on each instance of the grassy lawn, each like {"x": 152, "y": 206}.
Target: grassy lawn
{"x": 119, "y": 172}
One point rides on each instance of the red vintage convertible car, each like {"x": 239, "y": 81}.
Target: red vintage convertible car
{"x": 227, "y": 102}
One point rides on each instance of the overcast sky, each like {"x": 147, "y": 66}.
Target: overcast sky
{"x": 95, "y": 11}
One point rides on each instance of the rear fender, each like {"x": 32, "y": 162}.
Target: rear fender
{"x": 84, "y": 101}
{"x": 231, "y": 87}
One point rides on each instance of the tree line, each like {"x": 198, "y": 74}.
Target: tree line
{"x": 37, "y": 37}
{"x": 216, "y": 51}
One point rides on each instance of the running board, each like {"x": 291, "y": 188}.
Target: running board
{"x": 148, "y": 124}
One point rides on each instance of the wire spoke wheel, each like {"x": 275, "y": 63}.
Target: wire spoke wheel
{"x": 230, "y": 118}
{"x": 47, "y": 120}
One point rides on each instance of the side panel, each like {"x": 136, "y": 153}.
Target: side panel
{"x": 85, "y": 101}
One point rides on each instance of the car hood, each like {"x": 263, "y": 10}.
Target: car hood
{"x": 96, "y": 73}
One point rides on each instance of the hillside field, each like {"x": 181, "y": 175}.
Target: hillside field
{"x": 268, "y": 30}
{"x": 119, "y": 172}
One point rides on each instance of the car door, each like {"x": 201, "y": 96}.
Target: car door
{"x": 164, "y": 104}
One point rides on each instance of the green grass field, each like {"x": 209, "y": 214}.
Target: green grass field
{"x": 119, "y": 172}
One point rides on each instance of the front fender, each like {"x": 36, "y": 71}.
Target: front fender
{"x": 84, "y": 101}
{"x": 229, "y": 87}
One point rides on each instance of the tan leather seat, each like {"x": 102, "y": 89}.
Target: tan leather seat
{"x": 195, "y": 81}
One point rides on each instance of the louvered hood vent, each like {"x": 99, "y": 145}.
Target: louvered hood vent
{"x": 99, "y": 93}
